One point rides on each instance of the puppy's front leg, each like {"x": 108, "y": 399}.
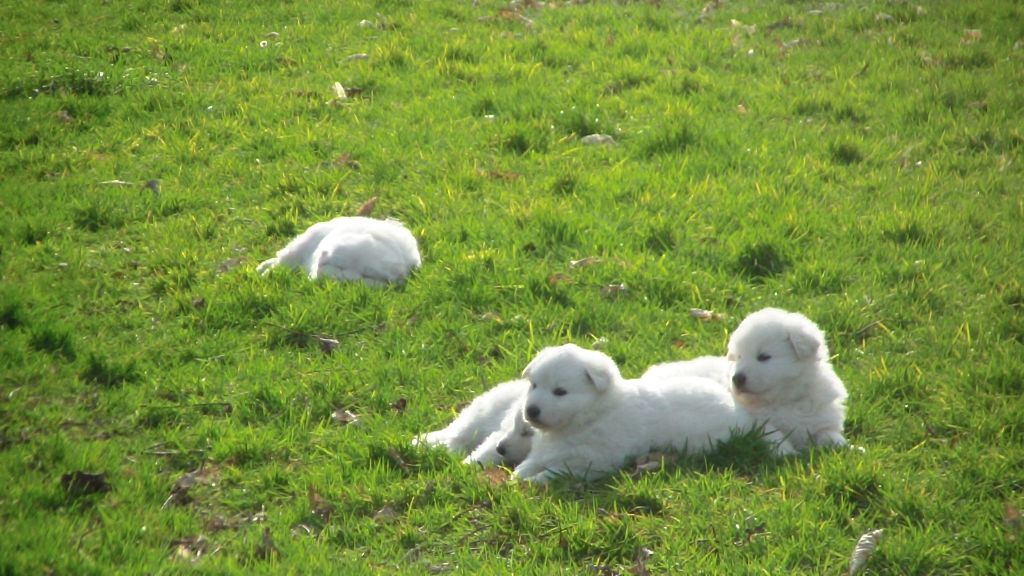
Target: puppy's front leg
{"x": 532, "y": 469}
{"x": 781, "y": 445}
{"x": 829, "y": 438}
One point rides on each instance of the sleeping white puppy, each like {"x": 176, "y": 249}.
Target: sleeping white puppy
{"x": 590, "y": 420}
{"x": 493, "y": 412}
{"x": 781, "y": 375}
{"x": 510, "y": 444}
{"x": 374, "y": 251}
{"x": 716, "y": 368}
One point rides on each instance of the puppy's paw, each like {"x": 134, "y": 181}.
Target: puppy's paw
{"x": 264, "y": 268}
{"x": 785, "y": 448}
{"x": 830, "y": 438}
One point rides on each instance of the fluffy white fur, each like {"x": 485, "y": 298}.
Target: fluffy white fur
{"x": 781, "y": 375}
{"x": 351, "y": 248}
{"x": 493, "y": 412}
{"x": 510, "y": 444}
{"x": 590, "y": 420}
{"x": 716, "y": 368}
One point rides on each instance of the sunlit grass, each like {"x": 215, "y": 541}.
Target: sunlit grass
{"x": 859, "y": 162}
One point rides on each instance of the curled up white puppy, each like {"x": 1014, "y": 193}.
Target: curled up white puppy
{"x": 781, "y": 375}
{"x": 510, "y": 444}
{"x": 376, "y": 252}
{"x": 488, "y": 414}
{"x": 590, "y": 420}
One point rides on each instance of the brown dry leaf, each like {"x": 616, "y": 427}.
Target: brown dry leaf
{"x": 971, "y": 35}
{"x": 217, "y": 523}
{"x": 189, "y": 549}
{"x": 301, "y": 529}
{"x": 1012, "y": 519}
{"x": 367, "y": 207}
{"x": 400, "y": 405}
{"x": 347, "y": 161}
{"x": 863, "y": 550}
{"x": 385, "y": 514}
{"x": 495, "y": 476}
{"x": 267, "y": 549}
{"x": 582, "y": 262}
{"x": 614, "y": 290}
{"x": 77, "y": 484}
{"x": 339, "y": 91}
{"x": 709, "y": 9}
{"x": 749, "y": 29}
{"x": 559, "y": 278}
{"x": 319, "y": 506}
{"x": 397, "y": 460}
{"x": 640, "y": 563}
{"x": 741, "y": 108}
{"x": 679, "y": 343}
{"x": 65, "y": 117}
{"x": 179, "y": 493}
{"x": 228, "y": 264}
{"x": 493, "y": 317}
{"x": 597, "y": 140}
{"x": 344, "y": 417}
{"x": 705, "y": 315}
{"x": 504, "y": 175}
{"x": 327, "y": 345}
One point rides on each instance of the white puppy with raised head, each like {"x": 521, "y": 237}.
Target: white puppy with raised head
{"x": 376, "y": 252}
{"x": 484, "y": 423}
{"x": 781, "y": 375}
{"x": 590, "y": 420}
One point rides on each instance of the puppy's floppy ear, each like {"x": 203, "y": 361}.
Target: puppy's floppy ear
{"x": 601, "y": 371}
{"x": 807, "y": 340}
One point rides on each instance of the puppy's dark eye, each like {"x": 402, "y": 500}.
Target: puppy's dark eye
{"x": 526, "y": 433}
{"x": 559, "y": 392}
{"x": 764, "y": 357}
{"x": 533, "y": 385}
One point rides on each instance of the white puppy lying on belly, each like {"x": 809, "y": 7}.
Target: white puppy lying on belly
{"x": 491, "y": 429}
{"x": 590, "y": 420}
{"x": 375, "y": 251}
{"x": 781, "y": 374}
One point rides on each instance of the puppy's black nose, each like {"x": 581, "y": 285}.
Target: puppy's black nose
{"x": 739, "y": 379}
{"x": 500, "y": 449}
{"x": 532, "y": 412}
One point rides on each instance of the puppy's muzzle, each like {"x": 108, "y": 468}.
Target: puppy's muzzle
{"x": 532, "y": 413}
{"x": 739, "y": 380}
{"x": 501, "y": 450}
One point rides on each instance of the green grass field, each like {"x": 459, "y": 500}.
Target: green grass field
{"x": 860, "y": 162}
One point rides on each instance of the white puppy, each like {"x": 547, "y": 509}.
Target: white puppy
{"x": 781, "y": 375}
{"x": 716, "y": 368}
{"x": 351, "y": 248}
{"x": 490, "y": 413}
{"x": 590, "y": 420}
{"x": 510, "y": 444}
